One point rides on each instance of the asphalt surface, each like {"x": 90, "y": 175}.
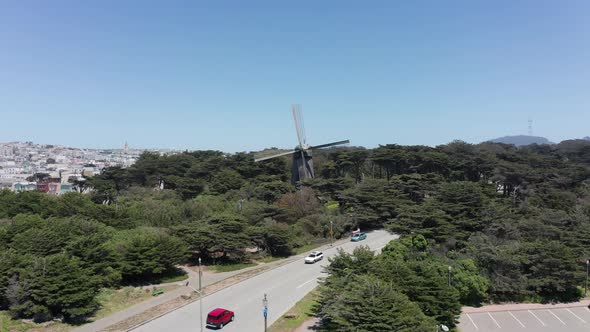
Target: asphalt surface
{"x": 284, "y": 286}
{"x": 575, "y": 319}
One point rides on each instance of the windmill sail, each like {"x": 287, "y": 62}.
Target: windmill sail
{"x": 302, "y": 167}
{"x": 299, "y": 127}
{"x": 275, "y": 155}
{"x": 329, "y": 144}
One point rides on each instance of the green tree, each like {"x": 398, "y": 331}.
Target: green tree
{"x": 10, "y": 263}
{"x": 549, "y": 267}
{"x": 374, "y": 202}
{"x": 421, "y": 277}
{"x": 49, "y": 237}
{"x": 226, "y": 180}
{"x": 92, "y": 247}
{"x": 366, "y": 303}
{"x": 55, "y": 286}
{"x": 221, "y": 236}
{"x": 145, "y": 253}
{"x": 502, "y": 264}
{"x": 277, "y": 240}
{"x": 472, "y": 286}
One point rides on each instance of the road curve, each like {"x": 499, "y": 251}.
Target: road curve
{"x": 284, "y": 286}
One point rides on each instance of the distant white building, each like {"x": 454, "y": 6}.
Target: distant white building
{"x": 6, "y": 151}
{"x": 11, "y": 170}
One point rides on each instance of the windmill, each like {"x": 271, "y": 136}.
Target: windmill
{"x": 302, "y": 168}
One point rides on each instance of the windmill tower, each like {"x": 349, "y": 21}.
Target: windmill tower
{"x": 302, "y": 168}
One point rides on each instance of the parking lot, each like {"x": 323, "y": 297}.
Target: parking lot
{"x": 550, "y": 319}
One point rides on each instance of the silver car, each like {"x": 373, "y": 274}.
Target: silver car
{"x": 314, "y": 257}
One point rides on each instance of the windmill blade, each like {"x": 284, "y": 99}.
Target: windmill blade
{"x": 330, "y": 144}
{"x": 301, "y": 136}
{"x": 299, "y": 125}
{"x": 275, "y": 156}
{"x": 302, "y": 125}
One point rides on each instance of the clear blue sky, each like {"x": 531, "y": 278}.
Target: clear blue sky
{"x": 223, "y": 74}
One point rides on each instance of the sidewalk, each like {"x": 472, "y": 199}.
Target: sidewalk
{"x": 523, "y": 306}
{"x": 209, "y": 278}
{"x": 308, "y": 325}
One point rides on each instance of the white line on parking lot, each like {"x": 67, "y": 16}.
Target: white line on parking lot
{"x": 305, "y": 283}
{"x": 562, "y": 322}
{"x": 519, "y": 322}
{"x": 472, "y": 322}
{"x": 494, "y": 320}
{"x": 587, "y": 309}
{"x": 540, "y": 321}
{"x": 571, "y": 312}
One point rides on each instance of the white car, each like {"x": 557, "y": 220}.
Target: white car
{"x": 314, "y": 257}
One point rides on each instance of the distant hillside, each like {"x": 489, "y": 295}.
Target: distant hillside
{"x": 521, "y": 140}
{"x": 587, "y": 138}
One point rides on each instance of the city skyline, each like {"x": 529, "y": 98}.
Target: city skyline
{"x": 223, "y": 76}
{"x": 178, "y": 150}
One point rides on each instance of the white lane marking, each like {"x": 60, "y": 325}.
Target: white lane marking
{"x": 472, "y": 322}
{"x": 587, "y": 309}
{"x": 540, "y": 321}
{"x": 519, "y": 322}
{"x": 494, "y": 320}
{"x": 305, "y": 283}
{"x": 578, "y": 317}
{"x": 562, "y": 322}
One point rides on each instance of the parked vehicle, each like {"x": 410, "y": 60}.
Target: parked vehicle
{"x": 220, "y": 317}
{"x": 359, "y": 237}
{"x": 314, "y": 257}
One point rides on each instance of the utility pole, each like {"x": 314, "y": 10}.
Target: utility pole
{"x": 331, "y": 233}
{"x": 265, "y": 312}
{"x": 200, "y": 296}
{"x": 586, "y": 289}
{"x": 198, "y": 291}
{"x": 449, "y": 276}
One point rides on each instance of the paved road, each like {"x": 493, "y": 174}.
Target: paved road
{"x": 284, "y": 286}
{"x": 207, "y": 279}
{"x": 575, "y": 319}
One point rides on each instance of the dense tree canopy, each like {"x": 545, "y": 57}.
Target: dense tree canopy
{"x": 513, "y": 224}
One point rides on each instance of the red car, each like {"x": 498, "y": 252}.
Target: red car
{"x": 219, "y": 317}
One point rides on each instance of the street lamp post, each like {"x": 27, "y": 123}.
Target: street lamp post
{"x": 201, "y": 303}
{"x": 200, "y": 296}
{"x": 265, "y": 312}
{"x": 586, "y": 289}
{"x": 331, "y": 233}
{"x": 449, "y": 276}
